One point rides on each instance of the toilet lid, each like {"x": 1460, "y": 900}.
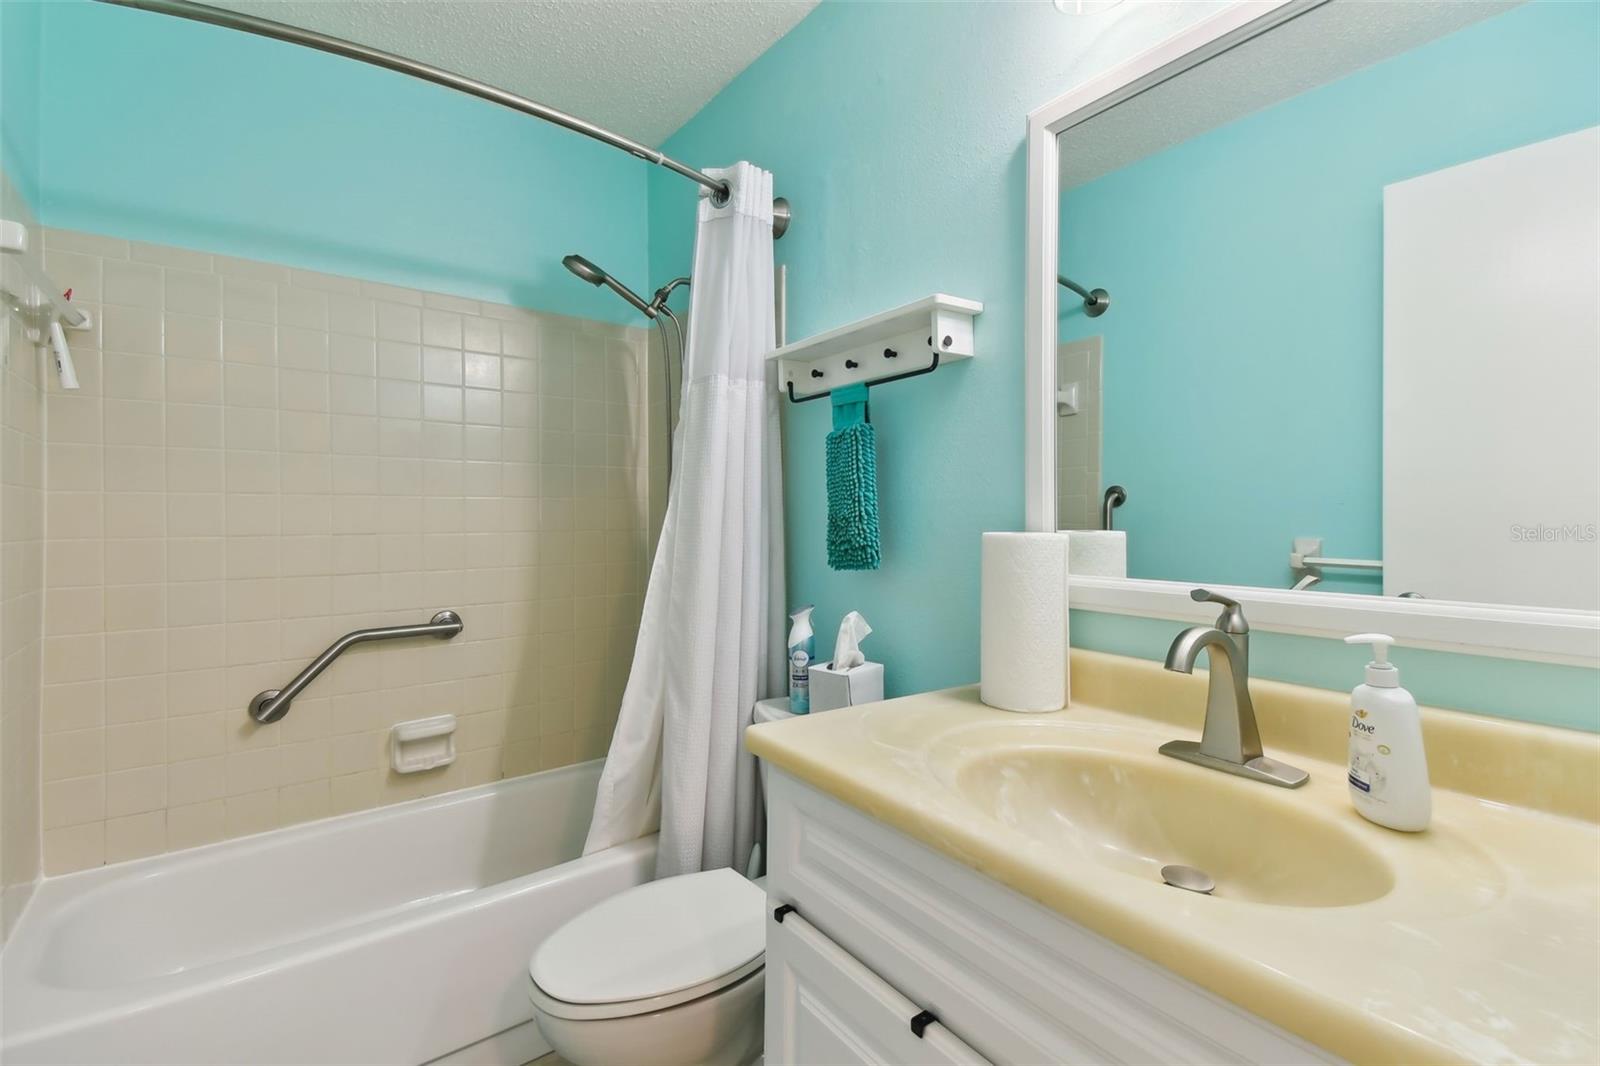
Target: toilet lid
{"x": 655, "y": 940}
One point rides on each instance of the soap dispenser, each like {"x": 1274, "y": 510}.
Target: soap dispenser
{"x": 1388, "y": 771}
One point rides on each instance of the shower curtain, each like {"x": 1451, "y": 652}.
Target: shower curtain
{"x": 711, "y": 638}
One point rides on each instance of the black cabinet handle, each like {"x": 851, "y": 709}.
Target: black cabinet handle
{"x": 921, "y": 1022}
{"x": 787, "y": 908}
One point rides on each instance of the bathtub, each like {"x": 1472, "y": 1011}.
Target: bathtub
{"x": 395, "y": 936}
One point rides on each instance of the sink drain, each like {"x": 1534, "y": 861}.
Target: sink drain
{"x": 1188, "y": 878}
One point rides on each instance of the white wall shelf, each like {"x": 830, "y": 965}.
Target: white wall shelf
{"x": 905, "y": 342}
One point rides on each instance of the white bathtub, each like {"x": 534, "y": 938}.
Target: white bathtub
{"x": 395, "y": 936}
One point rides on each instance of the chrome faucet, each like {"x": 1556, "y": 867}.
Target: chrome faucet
{"x": 1229, "y": 740}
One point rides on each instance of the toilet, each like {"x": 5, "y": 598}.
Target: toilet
{"x": 663, "y": 974}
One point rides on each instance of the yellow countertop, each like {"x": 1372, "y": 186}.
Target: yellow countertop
{"x": 1485, "y": 949}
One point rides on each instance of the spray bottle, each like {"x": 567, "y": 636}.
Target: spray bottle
{"x": 802, "y": 652}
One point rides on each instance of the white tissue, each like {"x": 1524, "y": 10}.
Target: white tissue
{"x": 847, "y": 648}
{"x": 1097, "y": 553}
{"x": 1023, "y": 652}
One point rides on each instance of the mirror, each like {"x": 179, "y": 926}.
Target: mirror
{"x": 1328, "y": 309}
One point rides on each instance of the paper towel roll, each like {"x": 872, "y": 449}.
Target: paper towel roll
{"x": 1023, "y": 635}
{"x": 1097, "y": 553}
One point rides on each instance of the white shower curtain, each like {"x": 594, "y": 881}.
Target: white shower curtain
{"x": 711, "y": 639}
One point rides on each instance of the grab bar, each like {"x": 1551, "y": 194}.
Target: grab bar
{"x": 273, "y": 704}
{"x": 1115, "y": 497}
{"x": 1348, "y": 564}
{"x": 1306, "y": 554}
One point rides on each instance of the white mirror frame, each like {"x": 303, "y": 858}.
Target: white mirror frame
{"x": 1557, "y": 636}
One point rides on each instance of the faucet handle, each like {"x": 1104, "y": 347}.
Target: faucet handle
{"x": 1231, "y": 620}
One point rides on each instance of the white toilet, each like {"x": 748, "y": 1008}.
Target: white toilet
{"x": 664, "y": 974}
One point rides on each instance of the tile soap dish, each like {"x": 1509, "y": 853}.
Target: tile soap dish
{"x": 423, "y": 744}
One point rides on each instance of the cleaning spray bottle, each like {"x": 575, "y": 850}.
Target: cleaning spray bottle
{"x": 1388, "y": 770}
{"x": 802, "y": 652}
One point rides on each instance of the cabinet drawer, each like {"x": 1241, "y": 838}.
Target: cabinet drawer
{"x": 824, "y": 1008}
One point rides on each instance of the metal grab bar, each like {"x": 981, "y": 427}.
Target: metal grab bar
{"x": 1348, "y": 564}
{"x": 1115, "y": 497}
{"x": 273, "y": 704}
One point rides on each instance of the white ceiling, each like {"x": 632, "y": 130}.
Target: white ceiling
{"x": 639, "y": 67}
{"x": 1315, "y": 48}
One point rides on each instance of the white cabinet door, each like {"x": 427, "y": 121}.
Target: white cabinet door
{"x": 824, "y": 1008}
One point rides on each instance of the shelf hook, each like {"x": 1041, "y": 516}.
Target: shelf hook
{"x": 930, "y": 368}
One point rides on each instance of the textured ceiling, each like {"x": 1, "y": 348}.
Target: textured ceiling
{"x": 1318, "y": 47}
{"x": 639, "y": 67}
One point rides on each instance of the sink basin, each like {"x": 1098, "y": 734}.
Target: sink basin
{"x": 1137, "y": 815}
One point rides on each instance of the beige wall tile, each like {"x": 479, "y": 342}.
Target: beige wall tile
{"x": 162, "y": 255}
{"x": 267, "y": 458}
{"x": 191, "y": 336}
{"x": 73, "y": 705}
{"x": 76, "y": 847}
{"x": 194, "y": 824}
{"x": 192, "y": 292}
{"x": 254, "y": 812}
{"x": 136, "y": 791}
{"x": 74, "y": 801}
{"x": 135, "y": 836}
{"x": 138, "y": 699}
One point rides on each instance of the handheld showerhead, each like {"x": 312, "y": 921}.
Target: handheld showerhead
{"x": 656, "y": 310}
{"x": 586, "y": 270}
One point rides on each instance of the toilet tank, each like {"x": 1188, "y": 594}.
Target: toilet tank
{"x": 774, "y": 710}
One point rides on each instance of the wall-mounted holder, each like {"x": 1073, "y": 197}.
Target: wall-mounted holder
{"x": 33, "y": 296}
{"x": 926, "y": 334}
{"x": 423, "y": 744}
{"x": 1067, "y": 399}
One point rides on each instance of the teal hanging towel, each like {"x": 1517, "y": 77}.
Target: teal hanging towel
{"x": 852, "y": 484}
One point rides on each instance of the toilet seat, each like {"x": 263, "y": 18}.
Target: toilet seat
{"x": 651, "y": 947}
{"x": 560, "y": 1008}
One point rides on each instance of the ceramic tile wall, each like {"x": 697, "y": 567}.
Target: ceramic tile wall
{"x": 262, "y": 459}
{"x": 21, "y": 594}
{"x": 1078, "y": 437}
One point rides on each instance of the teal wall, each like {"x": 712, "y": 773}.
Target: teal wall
{"x": 21, "y": 35}
{"x": 159, "y": 129}
{"x": 897, "y": 131}
{"x": 1246, "y": 267}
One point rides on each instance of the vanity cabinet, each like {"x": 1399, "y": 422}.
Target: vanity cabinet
{"x": 837, "y": 1011}
{"x": 869, "y": 931}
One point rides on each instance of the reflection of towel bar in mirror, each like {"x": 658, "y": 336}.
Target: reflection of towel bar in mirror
{"x": 1307, "y": 552}
{"x": 1352, "y": 564}
{"x": 1307, "y": 562}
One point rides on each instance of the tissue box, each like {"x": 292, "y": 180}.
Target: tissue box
{"x": 832, "y": 689}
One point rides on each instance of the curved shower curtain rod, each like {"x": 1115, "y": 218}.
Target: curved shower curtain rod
{"x": 282, "y": 31}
